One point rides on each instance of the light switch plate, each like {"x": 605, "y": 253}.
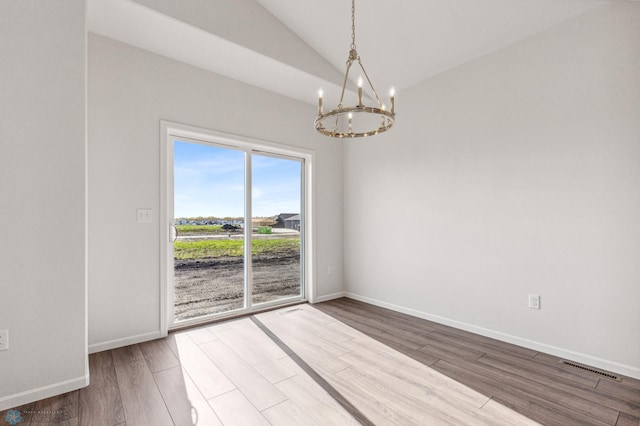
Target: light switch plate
{"x": 4, "y": 340}
{"x": 145, "y": 215}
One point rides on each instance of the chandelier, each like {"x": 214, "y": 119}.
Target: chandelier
{"x": 359, "y": 120}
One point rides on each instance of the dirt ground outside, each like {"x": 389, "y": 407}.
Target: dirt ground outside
{"x": 213, "y": 285}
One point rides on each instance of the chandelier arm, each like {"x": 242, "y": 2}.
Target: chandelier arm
{"x": 344, "y": 82}
{"x": 369, "y": 81}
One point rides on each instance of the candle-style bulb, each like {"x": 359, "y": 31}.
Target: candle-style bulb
{"x": 360, "y": 81}
{"x": 320, "y": 102}
{"x": 360, "y": 91}
{"x": 392, "y": 93}
{"x": 350, "y": 116}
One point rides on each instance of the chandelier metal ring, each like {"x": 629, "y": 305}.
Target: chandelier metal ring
{"x": 342, "y": 114}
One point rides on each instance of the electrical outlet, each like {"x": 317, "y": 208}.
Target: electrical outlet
{"x": 4, "y": 340}
{"x": 534, "y": 301}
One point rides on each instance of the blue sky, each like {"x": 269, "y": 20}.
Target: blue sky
{"x": 209, "y": 181}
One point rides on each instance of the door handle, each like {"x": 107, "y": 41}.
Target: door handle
{"x": 175, "y": 233}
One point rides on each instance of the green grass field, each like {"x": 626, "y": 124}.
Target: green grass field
{"x": 217, "y": 248}
{"x": 199, "y": 229}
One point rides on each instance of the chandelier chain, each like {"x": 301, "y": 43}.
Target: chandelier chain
{"x": 353, "y": 24}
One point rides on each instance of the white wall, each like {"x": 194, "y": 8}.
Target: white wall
{"x": 42, "y": 199}
{"x": 517, "y": 173}
{"x": 130, "y": 91}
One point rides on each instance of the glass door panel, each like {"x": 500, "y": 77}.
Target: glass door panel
{"x": 277, "y": 228}
{"x": 209, "y": 207}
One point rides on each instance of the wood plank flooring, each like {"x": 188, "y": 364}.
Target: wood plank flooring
{"x": 529, "y": 382}
{"x": 391, "y": 368}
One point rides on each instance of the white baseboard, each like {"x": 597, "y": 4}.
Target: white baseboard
{"x": 626, "y": 370}
{"x": 331, "y": 296}
{"x": 18, "y": 399}
{"x": 125, "y": 341}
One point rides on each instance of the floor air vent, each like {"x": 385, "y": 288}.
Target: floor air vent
{"x": 591, "y": 370}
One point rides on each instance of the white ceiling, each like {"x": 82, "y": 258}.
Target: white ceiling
{"x": 406, "y": 41}
{"x": 295, "y": 47}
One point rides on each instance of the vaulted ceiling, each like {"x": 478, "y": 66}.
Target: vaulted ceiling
{"x": 295, "y": 47}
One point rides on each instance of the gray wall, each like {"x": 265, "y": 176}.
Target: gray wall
{"x": 517, "y": 173}
{"x": 130, "y": 91}
{"x": 42, "y": 199}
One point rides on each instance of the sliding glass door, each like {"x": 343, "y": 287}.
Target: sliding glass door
{"x": 237, "y": 229}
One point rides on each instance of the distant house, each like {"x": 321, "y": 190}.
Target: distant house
{"x": 292, "y": 222}
{"x": 287, "y": 220}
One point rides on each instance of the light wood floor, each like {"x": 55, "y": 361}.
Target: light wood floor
{"x": 530, "y": 382}
{"x": 392, "y": 369}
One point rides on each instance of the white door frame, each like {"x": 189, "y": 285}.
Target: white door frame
{"x": 170, "y": 131}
